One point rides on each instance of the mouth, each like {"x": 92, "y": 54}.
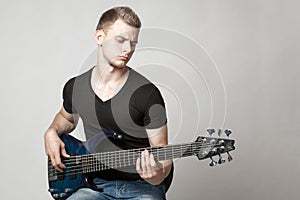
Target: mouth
{"x": 124, "y": 58}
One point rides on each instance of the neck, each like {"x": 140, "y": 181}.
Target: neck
{"x": 107, "y": 80}
{"x": 105, "y": 72}
{"x": 109, "y": 74}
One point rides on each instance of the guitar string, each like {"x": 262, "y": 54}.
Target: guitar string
{"x": 109, "y": 159}
{"x": 111, "y": 155}
{"x": 91, "y": 163}
{"x": 78, "y": 170}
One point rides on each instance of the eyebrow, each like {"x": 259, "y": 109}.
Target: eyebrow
{"x": 125, "y": 38}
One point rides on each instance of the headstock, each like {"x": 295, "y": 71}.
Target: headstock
{"x": 211, "y": 146}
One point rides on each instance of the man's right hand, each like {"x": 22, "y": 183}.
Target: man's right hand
{"x": 55, "y": 148}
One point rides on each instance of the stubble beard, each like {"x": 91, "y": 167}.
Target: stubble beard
{"x": 118, "y": 64}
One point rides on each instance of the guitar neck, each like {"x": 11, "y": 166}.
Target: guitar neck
{"x": 124, "y": 158}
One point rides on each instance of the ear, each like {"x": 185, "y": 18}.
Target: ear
{"x": 99, "y": 36}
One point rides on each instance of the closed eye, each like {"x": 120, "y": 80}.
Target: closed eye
{"x": 120, "y": 39}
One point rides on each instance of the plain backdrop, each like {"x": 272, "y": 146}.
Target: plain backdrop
{"x": 252, "y": 48}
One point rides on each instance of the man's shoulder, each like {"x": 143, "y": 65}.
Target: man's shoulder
{"x": 138, "y": 78}
{"x": 143, "y": 86}
{"x": 83, "y": 76}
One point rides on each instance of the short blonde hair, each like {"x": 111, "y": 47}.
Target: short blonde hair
{"x": 124, "y": 13}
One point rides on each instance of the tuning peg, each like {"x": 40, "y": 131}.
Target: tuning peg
{"x": 212, "y": 141}
{"x": 210, "y": 131}
{"x": 221, "y": 159}
{"x": 221, "y": 142}
{"x": 229, "y": 157}
{"x": 219, "y": 132}
{"x": 212, "y": 163}
{"x": 228, "y": 132}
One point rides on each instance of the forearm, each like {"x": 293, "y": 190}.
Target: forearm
{"x": 152, "y": 171}
{"x": 61, "y": 125}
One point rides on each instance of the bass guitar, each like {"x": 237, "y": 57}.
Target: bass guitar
{"x": 83, "y": 162}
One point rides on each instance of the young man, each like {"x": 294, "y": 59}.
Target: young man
{"x": 112, "y": 96}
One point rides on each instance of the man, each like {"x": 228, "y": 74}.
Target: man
{"x": 112, "y": 96}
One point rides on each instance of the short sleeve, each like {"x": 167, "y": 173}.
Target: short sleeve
{"x": 155, "y": 112}
{"x": 67, "y": 96}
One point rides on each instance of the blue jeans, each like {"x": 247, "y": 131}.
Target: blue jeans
{"x": 133, "y": 190}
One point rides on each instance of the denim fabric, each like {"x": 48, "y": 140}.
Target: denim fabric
{"x": 133, "y": 190}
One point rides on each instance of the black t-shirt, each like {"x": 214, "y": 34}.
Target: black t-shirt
{"x": 138, "y": 105}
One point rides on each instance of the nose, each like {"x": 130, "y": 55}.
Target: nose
{"x": 127, "y": 47}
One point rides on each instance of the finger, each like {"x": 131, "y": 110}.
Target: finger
{"x": 143, "y": 163}
{"x": 55, "y": 163}
{"x": 138, "y": 166}
{"x": 154, "y": 165}
{"x": 52, "y": 158}
{"x": 59, "y": 166}
{"x": 64, "y": 152}
{"x": 147, "y": 162}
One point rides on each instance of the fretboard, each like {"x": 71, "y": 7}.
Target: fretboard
{"x": 124, "y": 158}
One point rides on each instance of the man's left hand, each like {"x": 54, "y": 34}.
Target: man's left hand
{"x": 151, "y": 171}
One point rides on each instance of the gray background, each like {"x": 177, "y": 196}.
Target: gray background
{"x": 254, "y": 44}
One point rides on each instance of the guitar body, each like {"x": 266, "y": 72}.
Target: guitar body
{"x": 62, "y": 185}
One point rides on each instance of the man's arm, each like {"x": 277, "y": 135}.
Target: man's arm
{"x": 151, "y": 171}
{"x": 63, "y": 123}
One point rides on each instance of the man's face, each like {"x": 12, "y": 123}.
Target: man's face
{"x": 119, "y": 43}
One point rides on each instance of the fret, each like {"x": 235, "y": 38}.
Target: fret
{"x": 169, "y": 152}
{"x": 78, "y": 161}
{"x": 128, "y": 156}
{"x": 84, "y": 164}
{"x": 178, "y": 151}
{"x": 120, "y": 159}
{"x": 103, "y": 164}
{"x": 117, "y": 160}
{"x": 87, "y": 163}
{"x": 104, "y": 160}
{"x": 109, "y": 159}
{"x": 181, "y": 150}
{"x": 173, "y": 155}
{"x": 98, "y": 162}
{"x": 94, "y": 164}
{"x": 124, "y": 158}
{"x": 114, "y": 160}
{"x": 136, "y": 155}
{"x": 90, "y": 164}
